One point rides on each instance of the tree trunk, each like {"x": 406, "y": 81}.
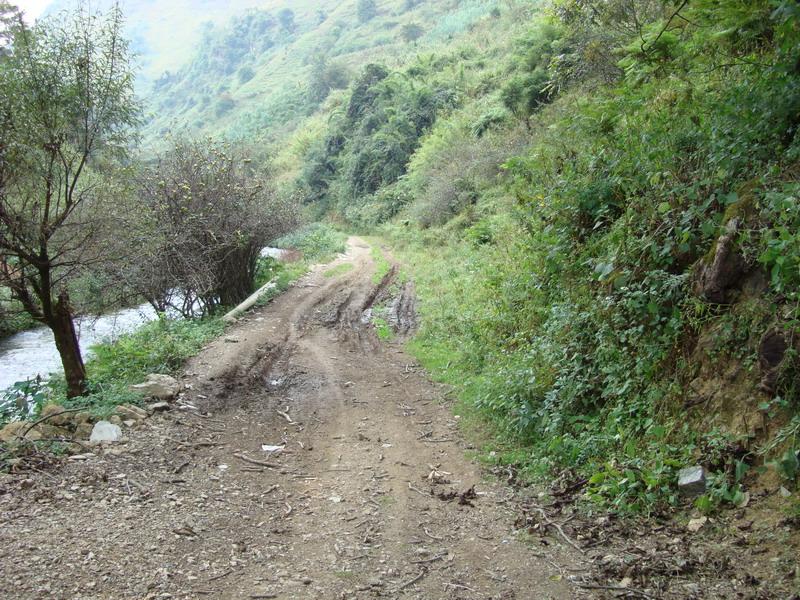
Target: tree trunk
{"x": 236, "y": 276}
{"x": 66, "y": 338}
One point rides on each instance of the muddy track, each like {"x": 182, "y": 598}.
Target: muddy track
{"x": 372, "y": 495}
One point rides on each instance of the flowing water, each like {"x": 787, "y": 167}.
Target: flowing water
{"x": 30, "y": 353}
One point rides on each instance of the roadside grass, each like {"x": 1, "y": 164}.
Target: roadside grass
{"x": 338, "y": 270}
{"x": 454, "y": 306}
{"x": 161, "y": 346}
{"x": 318, "y": 242}
{"x": 382, "y": 329}
{"x": 382, "y": 265}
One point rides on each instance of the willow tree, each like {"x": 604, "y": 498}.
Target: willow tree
{"x": 67, "y": 104}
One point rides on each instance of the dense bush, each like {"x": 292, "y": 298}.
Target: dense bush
{"x": 571, "y": 315}
{"x": 207, "y": 213}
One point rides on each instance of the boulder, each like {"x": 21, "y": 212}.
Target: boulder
{"x": 56, "y": 414}
{"x": 161, "y": 387}
{"x": 724, "y": 269}
{"x": 52, "y": 432}
{"x": 12, "y": 431}
{"x": 83, "y": 431}
{"x": 129, "y": 412}
{"x": 692, "y": 481}
{"x": 103, "y": 431}
{"x": 82, "y": 417}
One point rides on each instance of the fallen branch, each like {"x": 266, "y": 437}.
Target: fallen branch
{"x": 634, "y": 591}
{"x": 221, "y": 575}
{"x": 559, "y": 529}
{"x": 420, "y": 492}
{"x": 48, "y": 417}
{"x": 287, "y": 417}
{"x": 411, "y": 582}
{"x": 252, "y": 461}
{"x": 458, "y": 586}
{"x": 427, "y": 561}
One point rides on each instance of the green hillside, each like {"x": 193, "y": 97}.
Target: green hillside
{"x": 265, "y": 70}
{"x": 164, "y": 34}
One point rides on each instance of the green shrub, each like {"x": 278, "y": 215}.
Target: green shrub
{"x": 317, "y": 242}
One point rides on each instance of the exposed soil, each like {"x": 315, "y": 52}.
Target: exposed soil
{"x": 371, "y": 496}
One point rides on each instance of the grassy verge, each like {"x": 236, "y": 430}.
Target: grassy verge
{"x": 318, "y": 242}
{"x": 629, "y": 460}
{"x": 338, "y": 270}
{"x": 382, "y": 265}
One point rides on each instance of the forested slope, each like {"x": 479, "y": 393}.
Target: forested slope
{"x": 266, "y": 70}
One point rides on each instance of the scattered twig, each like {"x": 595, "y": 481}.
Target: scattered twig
{"x": 458, "y": 586}
{"x": 419, "y": 491}
{"x": 426, "y": 561}
{"x": 558, "y": 528}
{"x": 411, "y": 582}
{"x": 289, "y": 509}
{"x": 626, "y": 590}
{"x": 286, "y": 416}
{"x": 221, "y": 575}
{"x": 252, "y": 461}
{"x": 48, "y": 417}
{"x": 430, "y": 535}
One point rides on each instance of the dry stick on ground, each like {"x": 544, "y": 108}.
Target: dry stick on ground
{"x": 428, "y": 560}
{"x": 559, "y": 529}
{"x": 287, "y": 417}
{"x": 252, "y": 461}
{"x": 430, "y": 535}
{"x": 410, "y": 582}
{"x": 411, "y": 487}
{"x": 458, "y": 586}
{"x": 221, "y": 575}
{"x": 627, "y": 591}
{"x": 48, "y": 417}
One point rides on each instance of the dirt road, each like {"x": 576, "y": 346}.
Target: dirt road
{"x": 372, "y": 495}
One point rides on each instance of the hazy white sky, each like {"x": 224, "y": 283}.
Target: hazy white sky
{"x": 32, "y": 8}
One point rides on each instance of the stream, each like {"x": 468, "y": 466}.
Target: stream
{"x": 30, "y": 353}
